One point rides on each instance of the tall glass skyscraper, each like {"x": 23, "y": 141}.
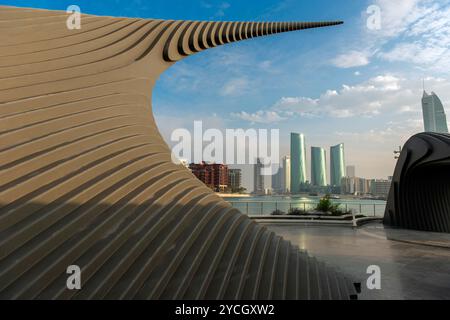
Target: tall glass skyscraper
{"x": 287, "y": 174}
{"x": 318, "y": 167}
{"x": 258, "y": 178}
{"x": 298, "y": 161}
{"x": 337, "y": 164}
{"x": 434, "y": 118}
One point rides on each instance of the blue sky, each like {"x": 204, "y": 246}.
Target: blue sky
{"x": 345, "y": 84}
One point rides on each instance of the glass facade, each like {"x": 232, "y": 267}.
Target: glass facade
{"x": 318, "y": 167}
{"x": 258, "y": 178}
{"x": 298, "y": 162}
{"x": 434, "y": 118}
{"x": 337, "y": 164}
{"x": 287, "y": 174}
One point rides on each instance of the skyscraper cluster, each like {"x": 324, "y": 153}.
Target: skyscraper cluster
{"x": 292, "y": 177}
{"x": 362, "y": 186}
{"x": 318, "y": 164}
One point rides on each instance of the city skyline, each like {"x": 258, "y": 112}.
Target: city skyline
{"x": 432, "y": 109}
{"x": 373, "y": 76}
{"x": 370, "y": 99}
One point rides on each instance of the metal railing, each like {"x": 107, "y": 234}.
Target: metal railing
{"x": 267, "y": 207}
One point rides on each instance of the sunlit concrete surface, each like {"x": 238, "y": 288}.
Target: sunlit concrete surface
{"x": 410, "y": 267}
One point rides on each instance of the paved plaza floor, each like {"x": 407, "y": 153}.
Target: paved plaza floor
{"x": 414, "y": 264}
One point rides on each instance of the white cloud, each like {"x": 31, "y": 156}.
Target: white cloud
{"x": 259, "y": 116}
{"x": 368, "y": 98}
{"x": 423, "y": 31}
{"x": 266, "y": 64}
{"x": 426, "y": 43}
{"x": 412, "y": 31}
{"x": 381, "y": 95}
{"x": 426, "y": 40}
{"x": 399, "y": 131}
{"x": 414, "y": 52}
{"x": 351, "y": 59}
{"x": 235, "y": 87}
{"x": 397, "y": 16}
{"x": 406, "y": 109}
{"x": 220, "y": 8}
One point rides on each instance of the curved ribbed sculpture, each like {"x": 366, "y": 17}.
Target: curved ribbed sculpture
{"x": 419, "y": 197}
{"x": 86, "y": 179}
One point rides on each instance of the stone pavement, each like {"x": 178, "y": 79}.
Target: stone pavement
{"x": 414, "y": 264}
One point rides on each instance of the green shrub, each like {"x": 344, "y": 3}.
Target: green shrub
{"x": 340, "y": 212}
{"x": 296, "y": 212}
{"x": 277, "y": 213}
{"x": 325, "y": 205}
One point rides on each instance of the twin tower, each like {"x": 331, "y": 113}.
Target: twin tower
{"x": 318, "y": 164}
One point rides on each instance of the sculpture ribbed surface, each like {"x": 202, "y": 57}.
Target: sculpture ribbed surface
{"x": 419, "y": 197}
{"x": 86, "y": 178}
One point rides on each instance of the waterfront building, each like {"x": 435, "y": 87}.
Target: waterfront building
{"x": 347, "y": 185}
{"x": 281, "y": 181}
{"x": 297, "y": 162}
{"x": 356, "y": 186}
{"x": 337, "y": 164}
{"x": 234, "y": 179}
{"x": 318, "y": 167}
{"x": 286, "y": 174}
{"x": 277, "y": 181}
{"x": 351, "y": 171}
{"x": 434, "y": 118}
{"x": 368, "y": 186}
{"x": 360, "y": 186}
{"x": 380, "y": 187}
{"x": 258, "y": 178}
{"x": 215, "y": 176}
